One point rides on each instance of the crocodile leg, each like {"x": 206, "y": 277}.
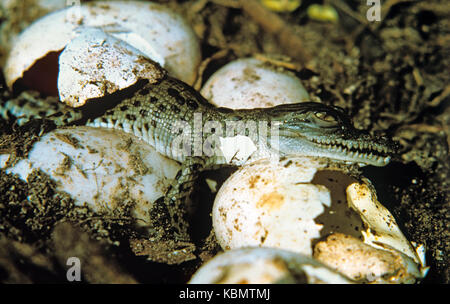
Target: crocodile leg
{"x": 177, "y": 196}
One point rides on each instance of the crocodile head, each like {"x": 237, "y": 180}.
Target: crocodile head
{"x": 326, "y": 131}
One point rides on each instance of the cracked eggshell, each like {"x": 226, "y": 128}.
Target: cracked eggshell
{"x": 293, "y": 203}
{"x": 17, "y": 15}
{"x": 264, "y": 266}
{"x": 383, "y": 231}
{"x": 100, "y": 167}
{"x": 250, "y": 83}
{"x": 362, "y": 262}
{"x": 276, "y": 204}
{"x": 155, "y": 30}
{"x": 95, "y": 64}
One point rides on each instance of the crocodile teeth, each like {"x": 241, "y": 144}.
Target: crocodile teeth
{"x": 354, "y": 149}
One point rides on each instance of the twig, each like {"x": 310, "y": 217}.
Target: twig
{"x": 196, "y": 7}
{"x": 218, "y": 55}
{"x": 424, "y": 128}
{"x": 278, "y": 62}
{"x": 227, "y": 3}
{"x": 346, "y": 9}
{"x": 438, "y": 99}
{"x": 417, "y": 76}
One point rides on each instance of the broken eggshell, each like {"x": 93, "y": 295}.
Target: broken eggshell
{"x": 100, "y": 167}
{"x": 364, "y": 263}
{"x": 17, "y": 15}
{"x": 153, "y": 29}
{"x": 250, "y": 83}
{"x": 95, "y": 63}
{"x": 293, "y": 203}
{"x": 265, "y": 266}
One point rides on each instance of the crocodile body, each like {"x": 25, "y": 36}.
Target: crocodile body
{"x": 177, "y": 121}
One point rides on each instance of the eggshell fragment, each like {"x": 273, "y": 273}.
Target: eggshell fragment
{"x": 250, "y": 83}
{"x": 101, "y": 167}
{"x": 360, "y": 261}
{"x": 383, "y": 230}
{"x": 155, "y": 30}
{"x": 95, "y": 63}
{"x": 264, "y": 266}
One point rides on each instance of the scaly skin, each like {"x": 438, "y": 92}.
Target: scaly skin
{"x": 304, "y": 128}
{"x": 154, "y": 112}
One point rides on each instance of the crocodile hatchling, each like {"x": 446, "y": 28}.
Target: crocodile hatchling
{"x": 152, "y": 112}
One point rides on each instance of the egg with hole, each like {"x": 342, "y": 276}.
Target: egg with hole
{"x": 153, "y": 29}
{"x": 265, "y": 266}
{"x": 101, "y": 168}
{"x": 251, "y": 83}
{"x": 297, "y": 201}
{"x": 17, "y": 15}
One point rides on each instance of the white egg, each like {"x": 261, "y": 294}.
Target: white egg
{"x": 250, "y": 83}
{"x": 100, "y": 167}
{"x": 293, "y": 203}
{"x": 271, "y": 204}
{"x": 264, "y": 266}
{"x": 17, "y": 15}
{"x": 153, "y": 29}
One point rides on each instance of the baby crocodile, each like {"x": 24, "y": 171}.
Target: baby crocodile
{"x": 181, "y": 124}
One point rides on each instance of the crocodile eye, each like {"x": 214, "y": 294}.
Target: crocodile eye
{"x": 325, "y": 116}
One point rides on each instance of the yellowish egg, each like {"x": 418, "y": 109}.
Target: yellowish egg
{"x": 282, "y": 6}
{"x": 325, "y": 13}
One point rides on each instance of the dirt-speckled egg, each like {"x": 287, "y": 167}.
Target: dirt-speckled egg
{"x": 294, "y": 203}
{"x": 365, "y": 263}
{"x": 265, "y": 266}
{"x": 250, "y": 83}
{"x": 95, "y": 64}
{"x": 156, "y": 31}
{"x": 100, "y": 167}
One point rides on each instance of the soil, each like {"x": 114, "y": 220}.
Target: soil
{"x": 391, "y": 76}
